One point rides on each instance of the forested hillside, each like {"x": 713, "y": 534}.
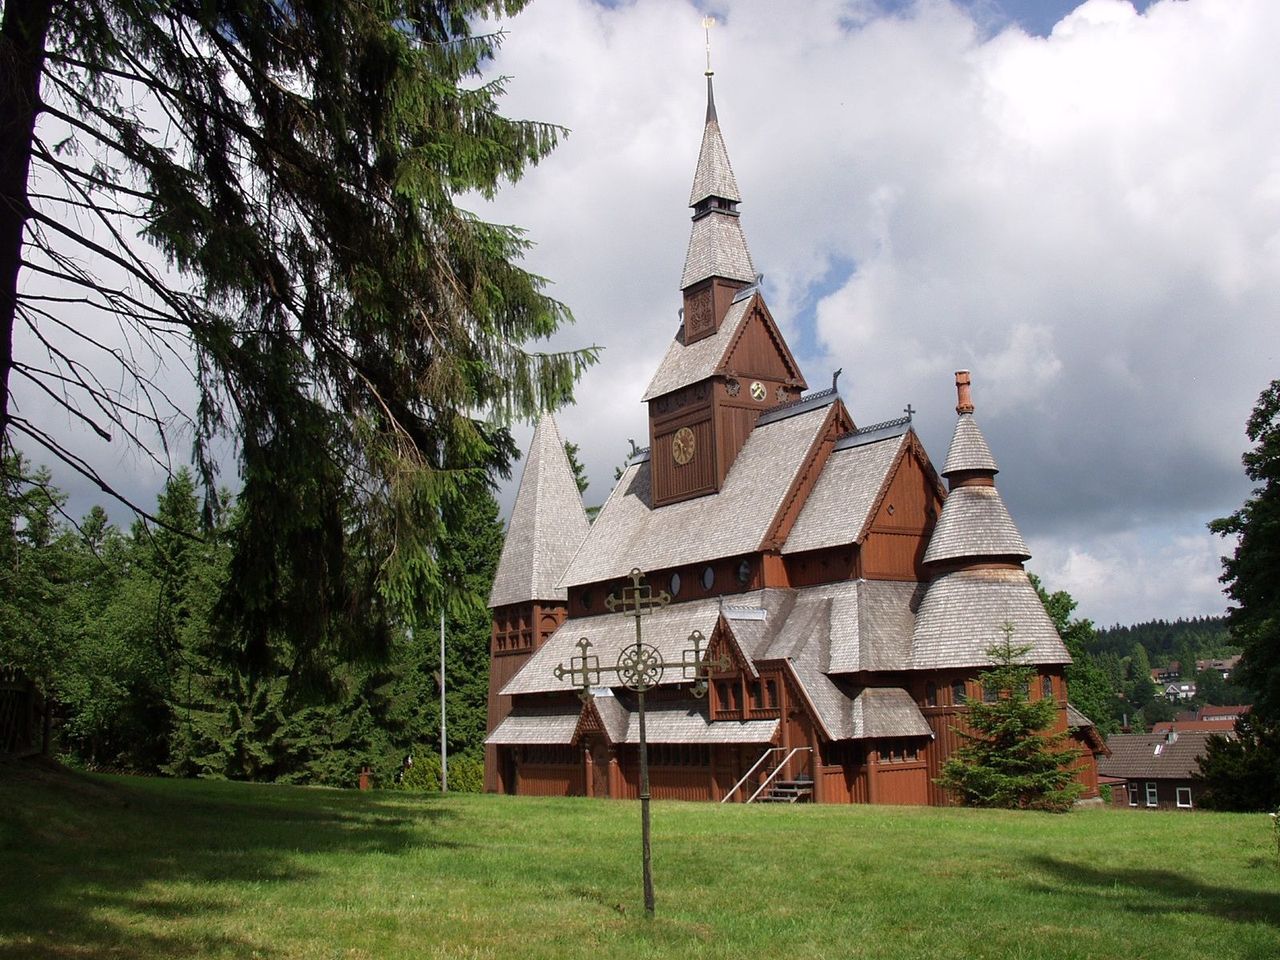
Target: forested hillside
{"x": 1164, "y": 640}
{"x": 124, "y": 629}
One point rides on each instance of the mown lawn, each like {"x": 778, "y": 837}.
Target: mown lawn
{"x": 96, "y": 867}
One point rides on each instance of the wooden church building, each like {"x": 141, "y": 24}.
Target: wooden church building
{"x": 848, "y": 592}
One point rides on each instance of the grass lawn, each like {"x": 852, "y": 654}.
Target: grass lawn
{"x": 94, "y": 867}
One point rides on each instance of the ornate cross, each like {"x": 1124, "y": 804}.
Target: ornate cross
{"x": 588, "y": 670}
{"x": 640, "y": 668}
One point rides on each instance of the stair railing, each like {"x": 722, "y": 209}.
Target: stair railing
{"x": 756, "y": 766}
{"x": 777, "y": 770}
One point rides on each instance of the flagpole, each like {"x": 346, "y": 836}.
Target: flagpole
{"x": 444, "y": 743}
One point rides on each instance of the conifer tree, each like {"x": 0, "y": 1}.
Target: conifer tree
{"x": 351, "y": 331}
{"x": 1006, "y": 759}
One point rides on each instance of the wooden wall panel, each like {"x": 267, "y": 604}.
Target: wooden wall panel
{"x": 673, "y": 481}
{"x": 551, "y": 780}
{"x": 756, "y": 355}
{"x": 893, "y": 555}
{"x": 902, "y": 783}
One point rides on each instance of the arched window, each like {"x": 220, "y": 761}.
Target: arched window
{"x": 957, "y": 693}
{"x": 930, "y": 694}
{"x": 1046, "y": 687}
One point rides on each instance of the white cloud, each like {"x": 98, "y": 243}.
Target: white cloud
{"x": 1090, "y": 221}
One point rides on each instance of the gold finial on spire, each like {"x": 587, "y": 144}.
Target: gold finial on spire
{"x": 707, "y": 24}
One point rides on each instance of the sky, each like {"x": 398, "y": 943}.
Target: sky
{"x": 1079, "y": 203}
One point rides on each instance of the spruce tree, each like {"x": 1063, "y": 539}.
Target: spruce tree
{"x": 1006, "y": 758}
{"x": 357, "y": 336}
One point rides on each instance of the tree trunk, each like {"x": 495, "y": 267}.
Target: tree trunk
{"x": 22, "y": 39}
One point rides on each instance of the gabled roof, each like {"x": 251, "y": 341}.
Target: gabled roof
{"x": 975, "y": 523}
{"x": 838, "y": 507}
{"x": 1153, "y": 756}
{"x": 717, "y": 248}
{"x": 667, "y": 629}
{"x": 962, "y": 615}
{"x": 683, "y": 365}
{"x": 629, "y": 532}
{"x": 968, "y": 450}
{"x": 547, "y": 525}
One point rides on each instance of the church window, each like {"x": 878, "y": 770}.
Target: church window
{"x": 771, "y": 693}
{"x": 675, "y": 584}
{"x": 757, "y": 695}
{"x": 957, "y": 693}
{"x": 744, "y": 572}
{"x": 708, "y": 578}
{"x": 889, "y": 510}
{"x": 1046, "y": 688}
{"x": 586, "y": 599}
{"x": 990, "y": 694}
{"x": 930, "y": 694}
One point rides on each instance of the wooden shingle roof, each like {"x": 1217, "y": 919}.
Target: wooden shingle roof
{"x": 547, "y": 524}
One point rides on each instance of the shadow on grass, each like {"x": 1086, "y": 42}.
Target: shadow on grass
{"x": 1161, "y": 891}
{"x": 87, "y": 864}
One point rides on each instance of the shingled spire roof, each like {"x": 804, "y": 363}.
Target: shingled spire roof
{"x": 547, "y": 524}
{"x": 717, "y": 246}
{"x": 975, "y": 522}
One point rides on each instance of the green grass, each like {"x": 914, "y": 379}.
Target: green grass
{"x": 95, "y": 867}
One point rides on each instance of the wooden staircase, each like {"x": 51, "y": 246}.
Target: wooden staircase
{"x": 788, "y": 791}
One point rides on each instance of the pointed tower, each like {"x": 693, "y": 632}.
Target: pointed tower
{"x": 975, "y": 558}
{"x": 729, "y": 362}
{"x": 717, "y": 263}
{"x": 547, "y": 526}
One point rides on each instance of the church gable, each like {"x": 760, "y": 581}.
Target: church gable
{"x": 757, "y": 351}
{"x": 897, "y": 529}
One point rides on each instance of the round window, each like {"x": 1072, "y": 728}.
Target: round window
{"x": 708, "y": 578}
{"x": 675, "y": 584}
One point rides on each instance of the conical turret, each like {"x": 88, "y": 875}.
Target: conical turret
{"x": 548, "y": 524}
{"x": 975, "y": 525}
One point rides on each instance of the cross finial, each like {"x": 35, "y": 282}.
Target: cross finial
{"x": 707, "y": 24}
{"x": 909, "y": 411}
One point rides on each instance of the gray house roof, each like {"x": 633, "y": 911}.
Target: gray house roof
{"x": 547, "y": 525}
{"x": 683, "y": 365}
{"x": 717, "y": 248}
{"x": 841, "y": 501}
{"x": 962, "y": 615}
{"x": 530, "y": 725}
{"x": 975, "y": 523}
{"x": 667, "y": 629}
{"x": 629, "y": 532}
{"x": 968, "y": 450}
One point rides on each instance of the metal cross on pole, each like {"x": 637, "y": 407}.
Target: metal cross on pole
{"x": 640, "y": 668}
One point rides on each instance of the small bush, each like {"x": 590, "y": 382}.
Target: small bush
{"x": 466, "y": 774}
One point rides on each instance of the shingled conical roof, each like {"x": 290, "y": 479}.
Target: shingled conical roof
{"x": 713, "y": 176}
{"x": 975, "y": 522}
{"x": 717, "y": 245}
{"x": 547, "y": 524}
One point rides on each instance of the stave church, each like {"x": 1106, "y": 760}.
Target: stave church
{"x": 847, "y": 591}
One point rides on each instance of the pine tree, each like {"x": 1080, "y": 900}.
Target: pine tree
{"x": 1006, "y": 759}
{"x": 352, "y": 331}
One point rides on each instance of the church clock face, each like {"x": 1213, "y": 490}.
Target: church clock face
{"x": 683, "y": 446}
{"x": 758, "y": 392}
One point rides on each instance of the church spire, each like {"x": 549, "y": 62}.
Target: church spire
{"x": 717, "y": 247}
